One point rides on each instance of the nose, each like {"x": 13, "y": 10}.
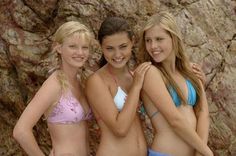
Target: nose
{"x": 154, "y": 44}
{"x": 118, "y": 53}
{"x": 80, "y": 51}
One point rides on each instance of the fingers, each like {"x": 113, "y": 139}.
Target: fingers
{"x": 142, "y": 69}
{"x": 139, "y": 73}
{"x": 199, "y": 72}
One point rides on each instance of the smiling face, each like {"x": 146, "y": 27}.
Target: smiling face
{"x": 158, "y": 44}
{"x": 74, "y": 50}
{"x": 117, "y": 49}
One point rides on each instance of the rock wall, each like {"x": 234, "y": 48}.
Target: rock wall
{"x": 26, "y": 27}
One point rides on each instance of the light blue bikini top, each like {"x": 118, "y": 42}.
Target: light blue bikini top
{"x": 192, "y": 96}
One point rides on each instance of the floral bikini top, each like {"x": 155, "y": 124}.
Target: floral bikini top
{"x": 68, "y": 110}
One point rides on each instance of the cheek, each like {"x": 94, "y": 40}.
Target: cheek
{"x": 147, "y": 47}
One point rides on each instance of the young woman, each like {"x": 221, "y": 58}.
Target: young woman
{"x": 173, "y": 96}
{"x": 61, "y": 98}
{"x": 113, "y": 92}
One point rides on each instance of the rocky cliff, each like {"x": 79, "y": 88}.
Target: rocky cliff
{"x": 26, "y": 27}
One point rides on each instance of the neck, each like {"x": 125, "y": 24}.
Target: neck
{"x": 71, "y": 75}
{"x": 117, "y": 71}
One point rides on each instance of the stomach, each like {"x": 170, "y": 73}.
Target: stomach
{"x": 69, "y": 139}
{"x": 132, "y": 144}
{"x": 166, "y": 140}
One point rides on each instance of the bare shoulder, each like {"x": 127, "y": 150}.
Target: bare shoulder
{"x": 153, "y": 71}
{"x": 51, "y": 85}
{"x": 98, "y": 77}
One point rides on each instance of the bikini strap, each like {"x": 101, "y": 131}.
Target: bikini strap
{"x": 112, "y": 75}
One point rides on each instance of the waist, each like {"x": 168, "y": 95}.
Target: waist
{"x": 170, "y": 143}
{"x": 122, "y": 147}
{"x": 62, "y": 134}
{"x": 134, "y": 142}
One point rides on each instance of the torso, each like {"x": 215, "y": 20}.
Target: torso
{"x": 70, "y": 139}
{"x": 166, "y": 140}
{"x": 133, "y": 144}
{"x": 67, "y": 125}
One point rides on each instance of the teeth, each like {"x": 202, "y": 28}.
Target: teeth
{"x": 117, "y": 60}
{"x": 78, "y": 58}
{"x": 156, "y": 52}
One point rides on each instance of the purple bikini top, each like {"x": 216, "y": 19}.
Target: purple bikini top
{"x": 68, "y": 110}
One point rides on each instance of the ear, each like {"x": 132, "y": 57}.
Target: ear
{"x": 57, "y": 47}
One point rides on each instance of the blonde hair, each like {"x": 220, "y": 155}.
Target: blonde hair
{"x": 167, "y": 22}
{"x": 64, "y": 31}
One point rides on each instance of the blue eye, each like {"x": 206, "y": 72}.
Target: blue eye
{"x": 147, "y": 40}
{"x": 159, "y": 38}
{"x": 85, "y": 47}
{"x": 72, "y": 46}
{"x": 109, "y": 48}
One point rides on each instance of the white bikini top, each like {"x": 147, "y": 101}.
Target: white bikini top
{"x": 120, "y": 98}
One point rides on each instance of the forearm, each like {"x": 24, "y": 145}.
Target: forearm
{"x": 191, "y": 137}
{"x": 203, "y": 127}
{"x": 128, "y": 113}
{"x": 28, "y": 143}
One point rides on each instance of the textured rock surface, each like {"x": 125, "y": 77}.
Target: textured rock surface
{"x": 26, "y": 26}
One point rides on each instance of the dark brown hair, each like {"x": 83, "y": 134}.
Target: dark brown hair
{"x": 111, "y": 26}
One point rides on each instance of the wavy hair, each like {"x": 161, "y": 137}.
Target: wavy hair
{"x": 110, "y": 26}
{"x": 64, "y": 31}
{"x": 168, "y": 23}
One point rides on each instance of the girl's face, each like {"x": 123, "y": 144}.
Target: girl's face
{"x": 74, "y": 51}
{"x": 117, "y": 49}
{"x": 158, "y": 43}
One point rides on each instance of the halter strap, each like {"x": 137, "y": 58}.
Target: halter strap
{"x": 112, "y": 75}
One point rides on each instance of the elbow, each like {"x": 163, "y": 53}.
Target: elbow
{"x": 18, "y": 133}
{"x": 176, "y": 122}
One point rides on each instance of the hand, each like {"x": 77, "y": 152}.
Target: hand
{"x": 209, "y": 153}
{"x": 140, "y": 72}
{"x": 199, "y": 73}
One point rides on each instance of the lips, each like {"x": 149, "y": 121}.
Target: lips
{"x": 119, "y": 60}
{"x": 79, "y": 58}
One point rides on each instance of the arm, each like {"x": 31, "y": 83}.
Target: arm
{"x": 198, "y": 72}
{"x": 202, "y": 114}
{"x": 156, "y": 90}
{"x": 101, "y": 101}
{"x": 22, "y": 132}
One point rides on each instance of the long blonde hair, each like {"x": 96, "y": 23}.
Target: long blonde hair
{"x": 167, "y": 22}
{"x": 64, "y": 31}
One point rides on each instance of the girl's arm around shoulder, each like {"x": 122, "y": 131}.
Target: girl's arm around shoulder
{"x": 45, "y": 96}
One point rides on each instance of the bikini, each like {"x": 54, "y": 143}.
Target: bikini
{"x": 68, "y": 110}
{"x": 120, "y": 97}
{"x": 192, "y": 96}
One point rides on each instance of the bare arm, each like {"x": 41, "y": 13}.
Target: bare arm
{"x": 102, "y": 102}
{"x": 156, "y": 90}
{"x": 23, "y": 131}
{"x": 202, "y": 114}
